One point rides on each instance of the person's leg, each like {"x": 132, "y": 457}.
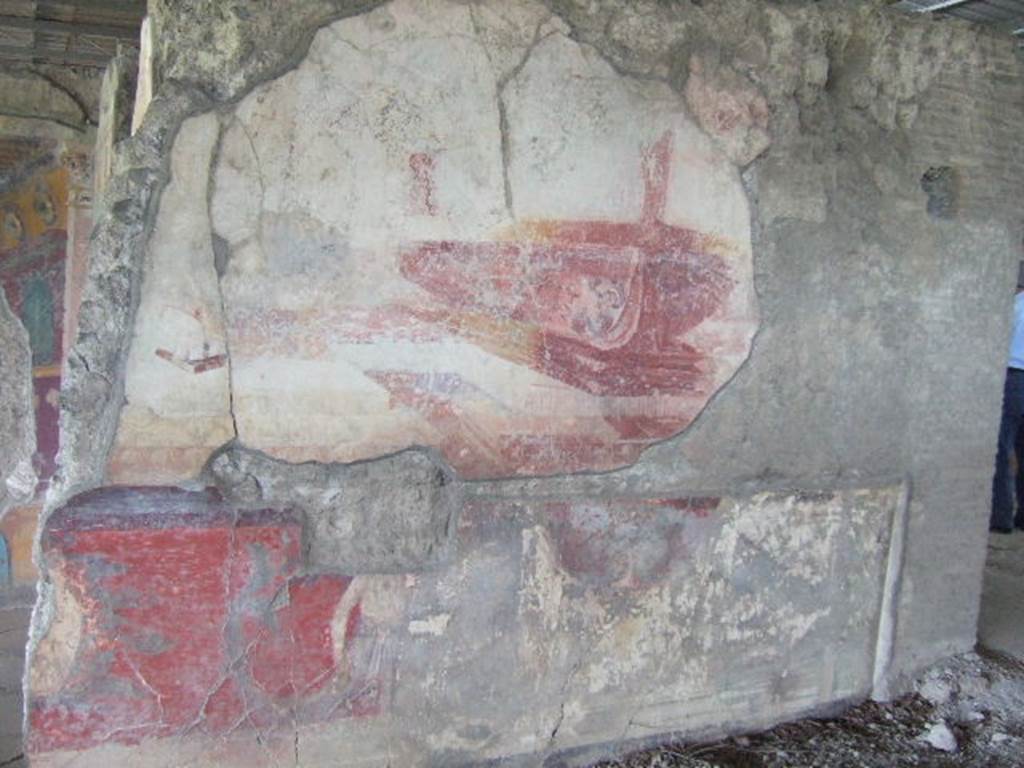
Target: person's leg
{"x": 1019, "y": 479}
{"x": 1003, "y": 484}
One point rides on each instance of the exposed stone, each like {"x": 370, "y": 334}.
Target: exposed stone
{"x": 729, "y": 108}
{"x": 940, "y": 737}
{"x": 393, "y": 515}
{"x": 17, "y": 420}
{"x": 936, "y": 690}
{"x": 224, "y": 49}
{"x": 92, "y": 390}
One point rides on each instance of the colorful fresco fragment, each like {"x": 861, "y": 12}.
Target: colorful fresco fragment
{"x": 607, "y": 315}
{"x": 601, "y": 306}
{"x": 553, "y": 299}
{"x": 190, "y": 617}
{"x": 604, "y": 308}
{"x": 19, "y": 527}
{"x": 185, "y": 630}
{"x": 32, "y": 274}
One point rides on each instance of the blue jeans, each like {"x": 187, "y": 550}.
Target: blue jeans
{"x": 1005, "y": 484}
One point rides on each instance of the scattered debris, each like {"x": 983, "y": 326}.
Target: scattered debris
{"x": 966, "y": 712}
{"x": 940, "y": 737}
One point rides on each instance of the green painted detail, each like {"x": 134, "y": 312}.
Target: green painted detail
{"x": 5, "y": 563}
{"x": 37, "y": 316}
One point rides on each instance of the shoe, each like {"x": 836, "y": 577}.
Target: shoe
{"x": 1000, "y": 529}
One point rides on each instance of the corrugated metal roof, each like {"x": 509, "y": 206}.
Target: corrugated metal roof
{"x": 1007, "y": 15}
{"x": 74, "y": 32}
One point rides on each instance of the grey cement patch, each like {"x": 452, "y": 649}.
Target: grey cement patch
{"x": 391, "y": 515}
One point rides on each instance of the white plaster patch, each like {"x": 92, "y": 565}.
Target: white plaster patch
{"x": 784, "y": 587}
{"x": 431, "y": 625}
{"x": 177, "y": 408}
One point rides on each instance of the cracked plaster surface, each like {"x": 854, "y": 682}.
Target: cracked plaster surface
{"x": 816, "y": 68}
{"x": 583, "y": 609}
{"x": 177, "y": 391}
{"x": 338, "y": 259}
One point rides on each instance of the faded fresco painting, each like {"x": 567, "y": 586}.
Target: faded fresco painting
{"x": 457, "y": 261}
{"x": 34, "y": 248}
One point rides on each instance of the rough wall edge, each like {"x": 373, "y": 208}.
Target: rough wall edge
{"x": 888, "y": 616}
{"x": 117, "y": 250}
{"x": 11, "y": 496}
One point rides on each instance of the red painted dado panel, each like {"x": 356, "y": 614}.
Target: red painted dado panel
{"x": 189, "y": 617}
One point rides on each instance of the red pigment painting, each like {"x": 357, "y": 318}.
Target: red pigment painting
{"x": 193, "y": 618}
{"x": 609, "y": 545}
{"x": 607, "y": 320}
{"x": 602, "y": 306}
{"x": 625, "y": 544}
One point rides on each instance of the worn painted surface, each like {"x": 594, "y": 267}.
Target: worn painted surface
{"x": 468, "y": 262}
{"x": 256, "y": 651}
{"x": 33, "y": 251}
{"x": 449, "y": 263}
{"x": 177, "y": 411}
{"x": 19, "y": 528}
{"x": 34, "y": 248}
{"x": 606, "y": 618}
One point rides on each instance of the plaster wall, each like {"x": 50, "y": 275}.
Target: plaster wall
{"x": 320, "y": 254}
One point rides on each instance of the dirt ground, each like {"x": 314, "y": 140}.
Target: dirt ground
{"x": 966, "y": 711}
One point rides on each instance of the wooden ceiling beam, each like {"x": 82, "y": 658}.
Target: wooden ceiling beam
{"x": 48, "y": 56}
{"x": 130, "y": 34}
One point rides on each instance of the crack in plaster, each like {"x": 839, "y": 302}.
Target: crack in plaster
{"x": 221, "y": 255}
{"x": 577, "y": 37}
{"x": 563, "y": 692}
{"x": 502, "y": 84}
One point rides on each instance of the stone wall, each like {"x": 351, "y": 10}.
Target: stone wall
{"x": 503, "y": 381}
